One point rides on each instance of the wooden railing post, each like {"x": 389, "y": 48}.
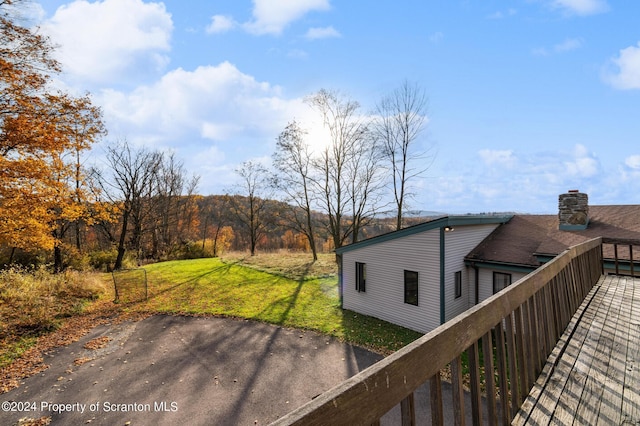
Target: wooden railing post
{"x": 408, "y": 411}
{"x": 525, "y": 319}
{"x": 435, "y": 392}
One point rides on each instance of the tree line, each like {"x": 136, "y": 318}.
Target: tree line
{"x": 144, "y": 205}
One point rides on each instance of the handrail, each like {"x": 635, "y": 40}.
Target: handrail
{"x": 521, "y": 323}
{"x": 620, "y": 261}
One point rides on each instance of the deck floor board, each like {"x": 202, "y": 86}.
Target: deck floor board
{"x": 593, "y": 374}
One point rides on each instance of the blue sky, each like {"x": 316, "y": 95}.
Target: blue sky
{"x": 527, "y": 99}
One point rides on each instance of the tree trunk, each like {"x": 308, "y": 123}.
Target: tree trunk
{"x": 121, "y": 242}
{"x": 57, "y": 259}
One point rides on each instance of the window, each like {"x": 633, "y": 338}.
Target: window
{"x": 361, "y": 276}
{"x": 500, "y": 281}
{"x": 458, "y": 284}
{"x": 411, "y": 287}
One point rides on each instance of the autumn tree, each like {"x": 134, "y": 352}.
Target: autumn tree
{"x": 400, "y": 121}
{"x": 37, "y": 132}
{"x": 294, "y": 178}
{"x": 76, "y": 201}
{"x": 250, "y": 203}
{"x": 215, "y": 221}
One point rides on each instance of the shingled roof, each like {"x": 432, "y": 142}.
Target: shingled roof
{"x": 525, "y": 237}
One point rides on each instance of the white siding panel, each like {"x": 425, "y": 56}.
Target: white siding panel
{"x": 486, "y": 281}
{"x": 458, "y": 243}
{"x": 386, "y": 263}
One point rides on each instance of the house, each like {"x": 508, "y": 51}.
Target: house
{"x": 415, "y": 277}
{"x": 422, "y": 276}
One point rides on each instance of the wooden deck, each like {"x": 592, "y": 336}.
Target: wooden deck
{"x": 593, "y": 374}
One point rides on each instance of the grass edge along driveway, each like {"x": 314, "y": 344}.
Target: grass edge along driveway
{"x": 212, "y": 287}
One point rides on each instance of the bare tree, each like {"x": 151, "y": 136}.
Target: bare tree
{"x": 365, "y": 184}
{"x": 251, "y": 210}
{"x": 173, "y": 205}
{"x": 401, "y": 117}
{"x": 134, "y": 176}
{"x": 338, "y": 166}
{"x": 293, "y": 163}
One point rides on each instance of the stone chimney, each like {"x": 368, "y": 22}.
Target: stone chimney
{"x": 573, "y": 211}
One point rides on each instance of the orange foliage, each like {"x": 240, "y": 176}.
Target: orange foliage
{"x": 41, "y": 135}
{"x": 225, "y": 237}
{"x": 295, "y": 241}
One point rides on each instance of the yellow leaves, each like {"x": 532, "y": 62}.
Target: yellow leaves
{"x": 41, "y": 136}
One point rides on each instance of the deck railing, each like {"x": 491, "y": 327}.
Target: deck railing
{"x": 520, "y": 325}
{"x": 621, "y": 255}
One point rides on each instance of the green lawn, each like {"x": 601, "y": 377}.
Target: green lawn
{"x": 213, "y": 287}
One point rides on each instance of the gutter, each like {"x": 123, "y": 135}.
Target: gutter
{"x": 442, "y": 287}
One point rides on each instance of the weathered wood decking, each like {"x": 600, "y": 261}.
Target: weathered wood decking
{"x": 593, "y": 374}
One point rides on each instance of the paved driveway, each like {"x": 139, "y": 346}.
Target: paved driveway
{"x": 168, "y": 370}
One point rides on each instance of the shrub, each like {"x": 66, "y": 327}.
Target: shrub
{"x": 33, "y": 301}
{"x": 103, "y": 260}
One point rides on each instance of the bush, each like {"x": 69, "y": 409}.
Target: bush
{"x": 103, "y": 260}
{"x": 189, "y": 250}
{"x": 33, "y": 301}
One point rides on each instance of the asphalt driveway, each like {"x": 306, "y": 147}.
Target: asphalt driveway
{"x": 169, "y": 370}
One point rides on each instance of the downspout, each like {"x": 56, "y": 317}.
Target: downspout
{"x": 477, "y": 280}
{"x": 442, "y": 259}
{"x": 340, "y": 280}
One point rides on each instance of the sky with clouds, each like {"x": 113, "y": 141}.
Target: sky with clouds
{"x": 527, "y": 98}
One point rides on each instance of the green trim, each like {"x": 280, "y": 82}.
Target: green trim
{"x": 442, "y": 287}
{"x": 544, "y": 258}
{"x": 568, "y": 227}
{"x": 623, "y": 265}
{"x": 442, "y": 222}
{"x": 501, "y": 266}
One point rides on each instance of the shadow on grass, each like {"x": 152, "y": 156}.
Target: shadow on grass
{"x": 192, "y": 280}
{"x": 289, "y": 301}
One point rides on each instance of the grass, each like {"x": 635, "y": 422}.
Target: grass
{"x": 237, "y": 287}
{"x": 33, "y": 303}
{"x": 281, "y": 288}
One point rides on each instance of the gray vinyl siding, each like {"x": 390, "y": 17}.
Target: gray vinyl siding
{"x": 384, "y": 295}
{"x": 458, "y": 243}
{"x": 386, "y": 262}
{"x": 486, "y": 281}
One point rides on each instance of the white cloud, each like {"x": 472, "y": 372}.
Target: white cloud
{"x": 584, "y": 163}
{"x": 221, "y": 24}
{"x": 581, "y": 7}
{"x": 112, "y": 40}
{"x": 502, "y": 14}
{"x": 214, "y": 103}
{"x": 272, "y": 16}
{"x": 325, "y": 32}
{"x": 436, "y": 37}
{"x": 498, "y": 157}
{"x": 568, "y": 45}
{"x": 212, "y": 117}
{"x": 297, "y": 54}
{"x": 633, "y": 162}
{"x": 624, "y": 70}
{"x": 539, "y": 51}
{"x": 506, "y": 180}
